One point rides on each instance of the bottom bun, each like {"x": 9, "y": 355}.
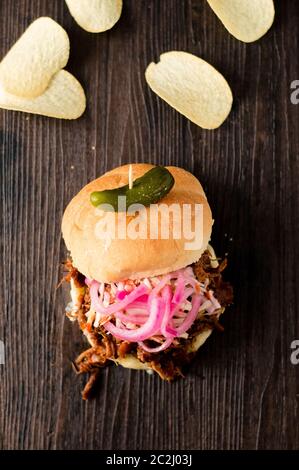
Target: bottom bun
{"x": 131, "y": 362}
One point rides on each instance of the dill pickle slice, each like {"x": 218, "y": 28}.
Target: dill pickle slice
{"x": 148, "y": 189}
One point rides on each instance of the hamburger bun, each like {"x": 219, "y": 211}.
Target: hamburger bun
{"x": 127, "y": 258}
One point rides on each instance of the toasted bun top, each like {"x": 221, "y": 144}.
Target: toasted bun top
{"x": 114, "y": 259}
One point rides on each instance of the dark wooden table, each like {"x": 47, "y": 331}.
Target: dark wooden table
{"x": 242, "y": 392}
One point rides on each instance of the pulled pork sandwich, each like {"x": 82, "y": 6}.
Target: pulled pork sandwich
{"x": 144, "y": 301}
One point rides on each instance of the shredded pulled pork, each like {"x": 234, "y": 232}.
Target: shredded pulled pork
{"x": 106, "y": 349}
{"x": 203, "y": 270}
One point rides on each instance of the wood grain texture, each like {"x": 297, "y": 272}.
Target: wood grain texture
{"x": 242, "y": 392}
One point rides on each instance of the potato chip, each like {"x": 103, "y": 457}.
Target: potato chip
{"x": 95, "y": 16}
{"x": 63, "y": 99}
{"x": 30, "y": 64}
{"x": 191, "y": 86}
{"x": 247, "y": 20}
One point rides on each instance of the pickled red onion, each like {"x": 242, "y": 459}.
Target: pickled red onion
{"x": 165, "y": 305}
{"x": 167, "y": 329}
{"x": 136, "y": 319}
{"x": 179, "y": 291}
{"x": 163, "y": 346}
{"x": 120, "y": 295}
{"x": 98, "y": 306}
{"x": 191, "y": 317}
{"x": 148, "y": 329}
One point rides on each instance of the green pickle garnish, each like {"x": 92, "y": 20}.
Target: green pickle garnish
{"x": 148, "y": 189}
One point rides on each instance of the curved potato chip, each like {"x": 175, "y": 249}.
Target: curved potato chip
{"x": 247, "y": 20}
{"x": 95, "y": 16}
{"x": 63, "y": 99}
{"x": 30, "y": 64}
{"x": 191, "y": 86}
